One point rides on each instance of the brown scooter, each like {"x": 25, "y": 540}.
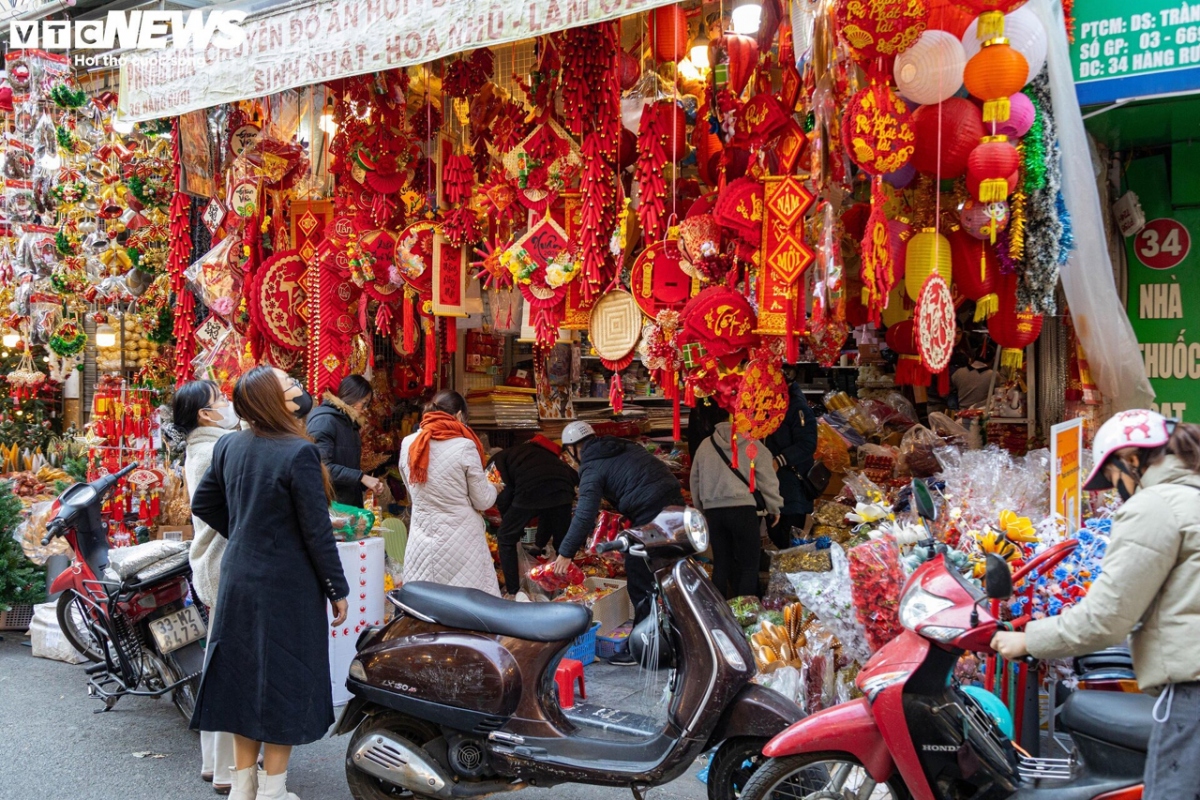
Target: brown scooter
{"x": 456, "y": 696}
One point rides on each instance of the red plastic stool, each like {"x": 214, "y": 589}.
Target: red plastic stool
{"x": 569, "y": 671}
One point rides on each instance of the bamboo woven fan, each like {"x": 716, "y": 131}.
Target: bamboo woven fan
{"x": 616, "y": 325}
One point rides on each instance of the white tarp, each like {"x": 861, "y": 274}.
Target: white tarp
{"x": 315, "y": 42}
{"x": 1096, "y": 309}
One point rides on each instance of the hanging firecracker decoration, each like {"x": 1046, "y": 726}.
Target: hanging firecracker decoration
{"x": 669, "y": 32}
{"x": 458, "y": 177}
{"x": 975, "y": 273}
{"x": 993, "y": 169}
{"x": 1012, "y": 328}
{"x": 652, "y": 159}
{"x": 597, "y": 217}
{"x": 877, "y": 130}
{"x": 994, "y": 73}
{"x": 878, "y": 257}
{"x": 928, "y": 252}
{"x": 945, "y": 136}
{"x": 880, "y": 28}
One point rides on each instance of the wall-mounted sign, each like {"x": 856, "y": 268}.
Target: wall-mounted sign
{"x": 1125, "y": 50}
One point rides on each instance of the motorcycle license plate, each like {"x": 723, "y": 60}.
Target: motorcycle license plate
{"x": 176, "y": 630}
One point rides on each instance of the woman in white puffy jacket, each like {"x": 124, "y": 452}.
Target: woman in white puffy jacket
{"x": 442, "y": 464}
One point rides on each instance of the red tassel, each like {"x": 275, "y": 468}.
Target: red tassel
{"x": 410, "y": 327}
{"x": 451, "y": 335}
{"x": 689, "y": 395}
{"x": 430, "y": 353}
{"x": 616, "y": 393}
{"x": 944, "y": 382}
{"x": 911, "y": 372}
{"x": 733, "y": 446}
{"x": 793, "y": 342}
{"x": 752, "y": 451}
{"x": 675, "y": 418}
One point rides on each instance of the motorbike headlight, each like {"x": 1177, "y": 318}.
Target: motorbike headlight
{"x": 941, "y": 633}
{"x": 357, "y": 671}
{"x": 697, "y": 529}
{"x": 919, "y": 605}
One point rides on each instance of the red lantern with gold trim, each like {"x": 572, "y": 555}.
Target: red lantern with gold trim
{"x": 975, "y": 272}
{"x": 902, "y": 339}
{"x": 672, "y": 124}
{"x": 961, "y": 129}
{"x": 992, "y": 169}
{"x": 880, "y": 28}
{"x": 994, "y": 73}
{"x": 1012, "y": 328}
{"x": 669, "y": 27}
{"x": 878, "y": 130}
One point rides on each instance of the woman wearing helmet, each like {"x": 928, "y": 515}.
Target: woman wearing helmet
{"x": 1149, "y": 587}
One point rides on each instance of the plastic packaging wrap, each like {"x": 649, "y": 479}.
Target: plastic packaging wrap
{"x": 545, "y": 576}
{"x": 983, "y": 483}
{"x": 788, "y": 681}
{"x": 828, "y": 596}
{"x": 918, "y": 449}
{"x": 216, "y": 278}
{"x": 853, "y": 412}
{"x": 863, "y": 488}
{"x": 820, "y": 685}
{"x": 948, "y": 430}
{"x": 832, "y": 450}
{"x": 746, "y": 610}
{"x": 351, "y": 523}
{"x": 879, "y": 462}
{"x": 876, "y": 580}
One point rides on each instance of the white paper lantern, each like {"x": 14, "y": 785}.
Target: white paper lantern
{"x": 932, "y": 69}
{"x": 1024, "y": 32}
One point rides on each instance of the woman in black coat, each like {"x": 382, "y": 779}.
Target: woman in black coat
{"x": 334, "y": 427}
{"x": 266, "y": 675}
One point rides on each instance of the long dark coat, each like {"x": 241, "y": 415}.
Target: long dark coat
{"x": 793, "y": 446}
{"x": 266, "y": 672}
{"x": 334, "y": 427}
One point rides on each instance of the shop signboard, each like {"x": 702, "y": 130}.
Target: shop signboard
{"x": 319, "y": 41}
{"x": 1066, "y": 480}
{"x": 1125, "y": 50}
{"x": 1163, "y": 299}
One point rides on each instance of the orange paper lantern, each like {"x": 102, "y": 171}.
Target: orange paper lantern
{"x": 928, "y": 251}
{"x": 669, "y": 27}
{"x": 994, "y": 73}
{"x": 992, "y": 169}
{"x": 1012, "y": 328}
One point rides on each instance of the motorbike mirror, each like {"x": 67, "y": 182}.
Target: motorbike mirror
{"x": 997, "y": 578}
{"x": 923, "y": 500}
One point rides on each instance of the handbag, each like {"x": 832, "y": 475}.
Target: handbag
{"x": 760, "y": 503}
{"x": 816, "y": 481}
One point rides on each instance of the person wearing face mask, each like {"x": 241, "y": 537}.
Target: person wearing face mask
{"x": 200, "y": 416}
{"x": 334, "y": 426}
{"x": 442, "y": 464}
{"x": 1148, "y": 589}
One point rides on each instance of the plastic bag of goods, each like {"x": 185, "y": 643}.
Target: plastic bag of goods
{"x": 876, "y": 582}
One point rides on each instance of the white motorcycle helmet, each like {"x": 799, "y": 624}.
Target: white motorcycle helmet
{"x": 576, "y": 432}
{"x": 1135, "y": 428}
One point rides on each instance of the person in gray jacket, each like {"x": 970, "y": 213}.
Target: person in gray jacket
{"x": 1148, "y": 589}
{"x": 734, "y": 514}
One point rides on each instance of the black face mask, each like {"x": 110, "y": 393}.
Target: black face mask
{"x": 305, "y": 403}
{"x": 1122, "y": 490}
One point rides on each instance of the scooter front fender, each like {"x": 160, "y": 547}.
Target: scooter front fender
{"x": 67, "y": 579}
{"x": 846, "y": 728}
{"x": 757, "y": 712}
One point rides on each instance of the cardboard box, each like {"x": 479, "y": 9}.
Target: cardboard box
{"x": 611, "y": 611}
{"x": 174, "y": 533}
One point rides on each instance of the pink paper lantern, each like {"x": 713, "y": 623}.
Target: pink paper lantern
{"x": 1020, "y": 117}
{"x": 984, "y": 220}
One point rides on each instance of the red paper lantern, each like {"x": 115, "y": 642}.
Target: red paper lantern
{"x": 743, "y": 58}
{"x": 984, "y": 6}
{"x": 992, "y": 169}
{"x": 708, "y": 149}
{"x": 1012, "y": 328}
{"x": 627, "y": 154}
{"x": 902, "y": 339}
{"x": 994, "y": 73}
{"x": 949, "y": 16}
{"x": 672, "y": 124}
{"x": 961, "y": 129}
{"x": 878, "y": 130}
{"x": 975, "y": 272}
{"x": 631, "y": 70}
{"x": 880, "y": 28}
{"x": 669, "y": 27}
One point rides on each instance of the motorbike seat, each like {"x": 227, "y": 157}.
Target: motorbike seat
{"x": 127, "y": 562}
{"x": 473, "y": 610}
{"x": 1121, "y": 719}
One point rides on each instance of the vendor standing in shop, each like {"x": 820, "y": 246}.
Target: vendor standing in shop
{"x": 636, "y": 483}
{"x": 793, "y": 446}
{"x": 334, "y": 427}
{"x": 537, "y": 483}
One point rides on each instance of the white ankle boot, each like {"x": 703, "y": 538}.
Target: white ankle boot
{"x": 273, "y": 787}
{"x": 245, "y": 784}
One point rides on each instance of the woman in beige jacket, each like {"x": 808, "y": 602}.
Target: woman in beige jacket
{"x": 201, "y": 416}
{"x": 1149, "y": 588}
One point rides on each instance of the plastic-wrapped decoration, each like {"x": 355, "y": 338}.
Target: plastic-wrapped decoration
{"x": 876, "y": 580}
{"x": 829, "y": 597}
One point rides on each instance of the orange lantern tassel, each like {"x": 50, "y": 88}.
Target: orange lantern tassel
{"x": 733, "y": 460}
{"x": 752, "y": 451}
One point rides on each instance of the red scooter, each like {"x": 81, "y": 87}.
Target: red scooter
{"x": 127, "y": 609}
{"x": 916, "y": 735}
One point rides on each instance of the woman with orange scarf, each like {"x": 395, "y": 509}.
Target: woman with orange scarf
{"x": 443, "y": 468}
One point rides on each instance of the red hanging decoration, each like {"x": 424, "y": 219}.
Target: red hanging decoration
{"x": 451, "y": 334}
{"x": 410, "y": 326}
{"x": 648, "y": 172}
{"x": 669, "y": 29}
{"x": 752, "y": 453}
{"x": 975, "y": 270}
{"x": 178, "y": 257}
{"x": 910, "y": 371}
{"x": 878, "y": 257}
{"x": 992, "y": 169}
{"x": 597, "y": 217}
{"x": 880, "y": 28}
{"x": 1011, "y": 327}
{"x": 430, "y": 351}
{"x": 877, "y": 129}
{"x": 961, "y": 125}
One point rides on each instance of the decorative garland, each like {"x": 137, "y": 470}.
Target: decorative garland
{"x": 1047, "y": 224}
{"x": 67, "y": 97}
{"x": 68, "y": 339}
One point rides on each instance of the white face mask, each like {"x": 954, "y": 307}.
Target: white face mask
{"x": 228, "y": 417}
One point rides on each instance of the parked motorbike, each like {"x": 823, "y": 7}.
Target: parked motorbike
{"x": 456, "y": 696}
{"x": 126, "y": 610}
{"x": 915, "y": 734}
